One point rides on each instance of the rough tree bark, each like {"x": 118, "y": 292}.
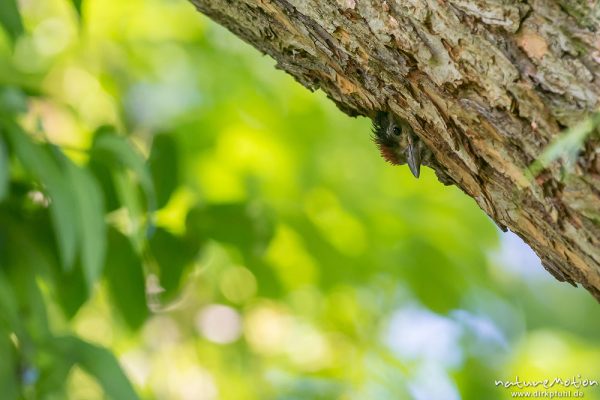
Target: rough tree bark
{"x": 486, "y": 84}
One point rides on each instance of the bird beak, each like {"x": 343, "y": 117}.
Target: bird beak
{"x": 413, "y": 158}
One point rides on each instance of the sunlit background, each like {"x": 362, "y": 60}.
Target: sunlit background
{"x": 317, "y": 271}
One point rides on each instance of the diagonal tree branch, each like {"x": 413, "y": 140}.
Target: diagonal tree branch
{"x": 487, "y": 85}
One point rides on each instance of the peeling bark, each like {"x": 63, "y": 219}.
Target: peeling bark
{"x": 486, "y": 84}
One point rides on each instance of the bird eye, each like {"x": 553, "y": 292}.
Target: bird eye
{"x": 397, "y": 131}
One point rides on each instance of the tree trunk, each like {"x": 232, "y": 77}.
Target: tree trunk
{"x": 486, "y": 84}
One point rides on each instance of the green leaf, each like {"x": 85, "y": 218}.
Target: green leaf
{"x": 10, "y": 323}
{"x": 49, "y": 368}
{"x": 126, "y": 167}
{"x": 101, "y": 364}
{"x": 92, "y": 229}
{"x": 4, "y": 170}
{"x": 126, "y": 281}
{"x": 10, "y": 19}
{"x": 39, "y": 249}
{"x": 112, "y": 148}
{"x": 31, "y": 299}
{"x": 129, "y": 195}
{"x": 254, "y": 227}
{"x": 172, "y": 254}
{"x": 23, "y": 259}
{"x": 51, "y": 371}
{"x": 9, "y": 317}
{"x": 103, "y": 175}
{"x": 13, "y": 101}
{"x": 78, "y": 6}
{"x": 164, "y": 167}
{"x": 566, "y": 146}
{"x": 42, "y": 164}
{"x": 72, "y": 290}
{"x": 8, "y": 367}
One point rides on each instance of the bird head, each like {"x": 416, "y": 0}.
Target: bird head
{"x": 397, "y": 142}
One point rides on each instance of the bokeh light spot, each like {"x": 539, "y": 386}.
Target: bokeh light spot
{"x": 266, "y": 328}
{"x": 238, "y": 284}
{"x": 219, "y": 323}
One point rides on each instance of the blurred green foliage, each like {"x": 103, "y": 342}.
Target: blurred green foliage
{"x": 178, "y": 220}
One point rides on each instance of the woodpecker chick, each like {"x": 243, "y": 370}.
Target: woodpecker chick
{"x": 397, "y": 142}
